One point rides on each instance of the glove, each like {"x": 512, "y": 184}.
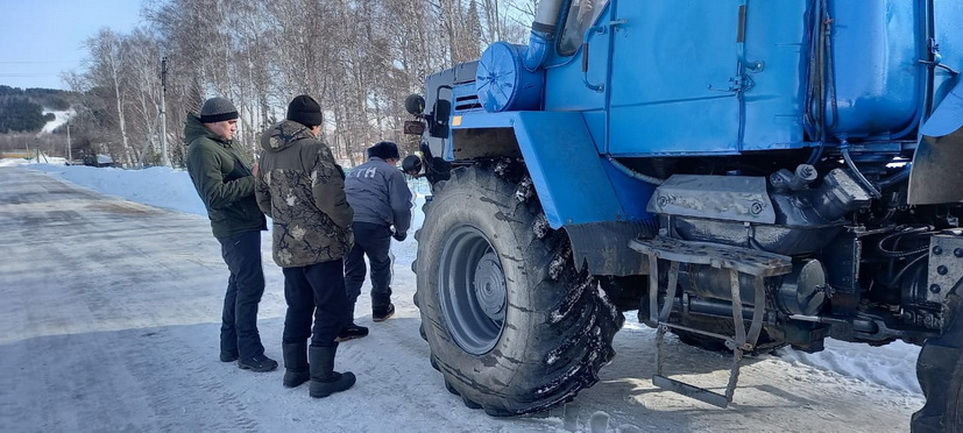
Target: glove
{"x": 400, "y": 236}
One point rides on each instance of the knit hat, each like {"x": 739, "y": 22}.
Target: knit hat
{"x": 218, "y": 110}
{"x": 304, "y": 110}
{"x": 384, "y": 150}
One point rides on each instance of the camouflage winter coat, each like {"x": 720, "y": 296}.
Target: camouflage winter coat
{"x": 301, "y": 188}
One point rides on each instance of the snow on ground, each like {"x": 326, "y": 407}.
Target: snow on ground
{"x": 60, "y": 117}
{"x": 847, "y": 385}
{"x": 44, "y": 159}
{"x": 892, "y": 366}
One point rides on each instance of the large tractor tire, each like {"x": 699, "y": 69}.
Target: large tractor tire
{"x": 512, "y": 324}
{"x": 940, "y": 372}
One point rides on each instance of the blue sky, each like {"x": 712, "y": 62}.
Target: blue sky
{"x": 41, "y": 38}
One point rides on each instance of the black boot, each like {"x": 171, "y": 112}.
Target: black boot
{"x": 295, "y": 364}
{"x": 258, "y": 364}
{"x": 351, "y": 332}
{"x": 324, "y": 380}
{"x": 381, "y": 314}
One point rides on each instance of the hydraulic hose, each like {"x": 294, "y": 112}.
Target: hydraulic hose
{"x": 894, "y": 179}
{"x": 634, "y": 174}
{"x": 859, "y": 175}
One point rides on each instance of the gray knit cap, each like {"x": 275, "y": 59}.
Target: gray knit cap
{"x": 218, "y": 109}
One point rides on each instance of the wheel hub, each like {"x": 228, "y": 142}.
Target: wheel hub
{"x": 472, "y": 290}
{"x": 490, "y": 286}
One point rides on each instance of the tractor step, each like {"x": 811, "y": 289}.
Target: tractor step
{"x": 691, "y": 391}
{"x": 744, "y": 260}
{"x": 756, "y": 264}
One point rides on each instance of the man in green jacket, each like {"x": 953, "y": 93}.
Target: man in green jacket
{"x": 225, "y": 183}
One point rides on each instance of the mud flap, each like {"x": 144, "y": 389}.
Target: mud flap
{"x": 936, "y": 177}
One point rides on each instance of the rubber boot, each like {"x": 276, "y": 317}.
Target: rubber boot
{"x": 296, "y": 369}
{"x": 324, "y": 380}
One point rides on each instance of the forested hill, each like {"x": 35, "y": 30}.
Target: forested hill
{"x": 21, "y": 110}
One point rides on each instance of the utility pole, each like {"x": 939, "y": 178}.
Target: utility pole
{"x": 165, "y": 160}
{"x": 69, "y": 154}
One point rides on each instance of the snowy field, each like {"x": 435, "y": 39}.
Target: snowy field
{"x": 848, "y": 387}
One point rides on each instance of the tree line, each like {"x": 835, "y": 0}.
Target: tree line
{"x": 22, "y": 110}
{"x": 358, "y": 58}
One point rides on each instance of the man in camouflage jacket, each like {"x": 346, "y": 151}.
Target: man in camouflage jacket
{"x": 301, "y": 188}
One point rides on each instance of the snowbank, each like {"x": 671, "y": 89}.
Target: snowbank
{"x": 892, "y": 366}
{"x": 157, "y": 186}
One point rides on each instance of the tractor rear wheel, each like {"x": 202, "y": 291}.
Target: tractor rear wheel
{"x": 940, "y": 372}
{"x": 512, "y": 324}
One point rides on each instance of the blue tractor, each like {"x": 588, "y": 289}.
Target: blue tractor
{"x": 747, "y": 174}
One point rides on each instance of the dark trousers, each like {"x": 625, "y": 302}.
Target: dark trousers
{"x": 314, "y": 292}
{"x": 374, "y": 241}
{"x": 239, "y": 335}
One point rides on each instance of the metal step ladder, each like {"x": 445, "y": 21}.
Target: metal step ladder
{"x": 757, "y": 264}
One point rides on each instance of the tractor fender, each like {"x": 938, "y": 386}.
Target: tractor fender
{"x": 578, "y": 188}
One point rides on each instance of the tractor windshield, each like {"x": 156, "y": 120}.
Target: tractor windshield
{"x": 580, "y": 17}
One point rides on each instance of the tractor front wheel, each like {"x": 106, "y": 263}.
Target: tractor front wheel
{"x": 512, "y": 324}
{"x": 940, "y": 372}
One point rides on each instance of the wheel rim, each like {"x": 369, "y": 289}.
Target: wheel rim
{"x": 472, "y": 290}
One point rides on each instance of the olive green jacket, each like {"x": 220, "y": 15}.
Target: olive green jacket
{"x": 301, "y": 187}
{"x": 224, "y": 181}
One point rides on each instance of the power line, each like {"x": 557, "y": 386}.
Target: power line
{"x": 31, "y": 62}
{"x": 33, "y": 75}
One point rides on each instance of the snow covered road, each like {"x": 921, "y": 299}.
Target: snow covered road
{"x": 110, "y": 313}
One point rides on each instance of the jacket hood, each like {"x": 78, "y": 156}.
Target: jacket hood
{"x": 283, "y": 135}
{"x": 194, "y": 129}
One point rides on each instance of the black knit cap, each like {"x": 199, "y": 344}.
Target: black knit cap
{"x": 304, "y": 110}
{"x": 218, "y": 110}
{"x": 384, "y": 150}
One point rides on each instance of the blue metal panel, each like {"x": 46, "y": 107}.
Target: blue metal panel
{"x": 879, "y": 80}
{"x": 565, "y": 87}
{"x": 666, "y": 68}
{"x": 633, "y": 194}
{"x": 465, "y": 99}
{"x": 775, "y": 49}
{"x": 596, "y": 122}
{"x": 948, "y": 23}
{"x": 672, "y": 66}
{"x": 570, "y": 177}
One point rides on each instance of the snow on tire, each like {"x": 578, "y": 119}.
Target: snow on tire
{"x": 554, "y": 329}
